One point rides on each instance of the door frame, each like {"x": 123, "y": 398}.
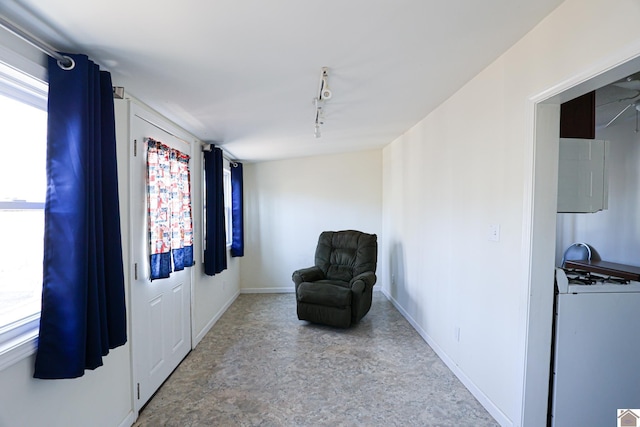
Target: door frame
{"x": 137, "y": 109}
{"x": 539, "y": 223}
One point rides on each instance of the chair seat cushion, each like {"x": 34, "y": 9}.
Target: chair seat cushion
{"x": 325, "y": 292}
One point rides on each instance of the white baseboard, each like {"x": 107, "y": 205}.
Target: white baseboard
{"x": 213, "y": 321}
{"x": 495, "y": 412}
{"x": 128, "y": 420}
{"x": 283, "y": 290}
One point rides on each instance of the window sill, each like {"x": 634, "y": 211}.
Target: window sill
{"x": 18, "y": 341}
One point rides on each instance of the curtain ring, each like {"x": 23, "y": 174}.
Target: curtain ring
{"x": 66, "y": 63}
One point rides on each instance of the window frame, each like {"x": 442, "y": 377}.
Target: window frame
{"x": 226, "y": 186}
{"x": 25, "y": 81}
{"x": 226, "y": 181}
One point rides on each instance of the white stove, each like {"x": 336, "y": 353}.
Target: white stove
{"x": 596, "y": 366}
{"x": 573, "y": 281}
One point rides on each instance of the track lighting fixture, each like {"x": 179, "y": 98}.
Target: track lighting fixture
{"x": 324, "y": 94}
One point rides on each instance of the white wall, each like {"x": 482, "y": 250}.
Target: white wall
{"x": 99, "y": 398}
{"x": 614, "y": 233}
{"x": 288, "y": 203}
{"x": 211, "y": 295}
{"x": 470, "y": 164}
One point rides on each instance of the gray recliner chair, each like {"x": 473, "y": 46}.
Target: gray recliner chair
{"x": 338, "y": 289}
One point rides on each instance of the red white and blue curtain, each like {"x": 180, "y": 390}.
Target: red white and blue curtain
{"x": 169, "y": 205}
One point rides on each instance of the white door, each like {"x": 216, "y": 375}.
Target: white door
{"x": 160, "y": 309}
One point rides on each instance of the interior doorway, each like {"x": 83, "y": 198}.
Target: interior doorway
{"x": 545, "y": 115}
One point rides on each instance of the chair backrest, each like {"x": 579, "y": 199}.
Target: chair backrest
{"x": 342, "y": 255}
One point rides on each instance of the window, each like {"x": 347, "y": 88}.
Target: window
{"x": 226, "y": 181}
{"x": 23, "y": 130}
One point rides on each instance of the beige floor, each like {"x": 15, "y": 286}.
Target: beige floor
{"x": 260, "y": 366}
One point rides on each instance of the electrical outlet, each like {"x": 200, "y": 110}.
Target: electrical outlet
{"x": 494, "y": 232}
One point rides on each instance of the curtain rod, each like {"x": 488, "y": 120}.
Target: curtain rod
{"x": 64, "y": 62}
{"x": 208, "y": 146}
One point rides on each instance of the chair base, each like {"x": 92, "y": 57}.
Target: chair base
{"x": 326, "y": 303}
{"x": 332, "y": 316}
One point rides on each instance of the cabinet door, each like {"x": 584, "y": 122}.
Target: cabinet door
{"x": 578, "y": 117}
{"x": 582, "y": 175}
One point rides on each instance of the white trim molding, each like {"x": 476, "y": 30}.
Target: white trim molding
{"x": 281, "y": 290}
{"x": 200, "y": 335}
{"x": 18, "y": 340}
{"x": 495, "y": 412}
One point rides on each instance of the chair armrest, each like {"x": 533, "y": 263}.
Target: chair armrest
{"x": 310, "y": 274}
{"x": 368, "y": 279}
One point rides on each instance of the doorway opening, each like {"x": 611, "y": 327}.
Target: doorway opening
{"x": 548, "y": 233}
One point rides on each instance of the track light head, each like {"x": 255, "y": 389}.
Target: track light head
{"x": 324, "y": 94}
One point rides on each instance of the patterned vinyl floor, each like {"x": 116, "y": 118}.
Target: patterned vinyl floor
{"x": 260, "y": 366}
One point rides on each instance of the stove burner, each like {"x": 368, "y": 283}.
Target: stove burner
{"x": 581, "y": 277}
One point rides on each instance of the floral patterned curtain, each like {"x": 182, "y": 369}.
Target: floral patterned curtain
{"x": 169, "y": 205}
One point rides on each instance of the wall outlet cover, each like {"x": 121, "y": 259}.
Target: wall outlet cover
{"x": 494, "y": 232}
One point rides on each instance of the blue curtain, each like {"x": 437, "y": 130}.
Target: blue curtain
{"x": 237, "y": 224}
{"x": 215, "y": 252}
{"x": 83, "y": 307}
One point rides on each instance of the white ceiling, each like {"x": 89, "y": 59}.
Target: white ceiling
{"x": 243, "y": 73}
{"x": 618, "y": 103}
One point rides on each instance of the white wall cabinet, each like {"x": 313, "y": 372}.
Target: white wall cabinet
{"x": 582, "y": 175}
